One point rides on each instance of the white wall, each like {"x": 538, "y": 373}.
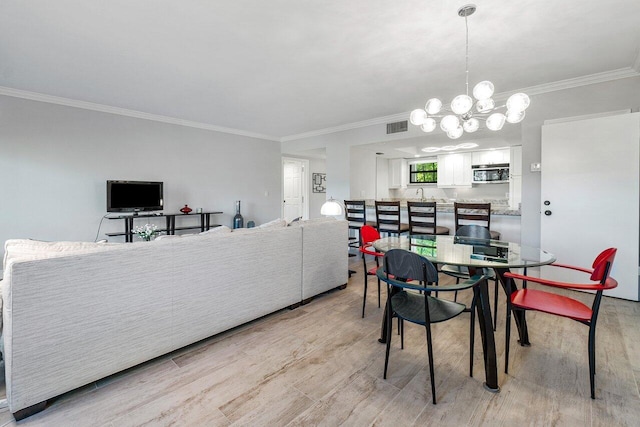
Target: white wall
{"x": 55, "y": 161}
{"x": 590, "y": 99}
{"x": 363, "y": 162}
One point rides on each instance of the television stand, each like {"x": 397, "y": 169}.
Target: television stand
{"x": 204, "y": 223}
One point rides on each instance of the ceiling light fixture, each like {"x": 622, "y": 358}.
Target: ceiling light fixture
{"x": 463, "y": 118}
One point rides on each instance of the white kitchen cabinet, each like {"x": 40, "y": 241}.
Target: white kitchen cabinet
{"x": 490, "y": 157}
{"x": 398, "y": 173}
{"x": 454, "y": 170}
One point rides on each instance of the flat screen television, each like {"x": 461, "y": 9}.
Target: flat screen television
{"x": 134, "y": 196}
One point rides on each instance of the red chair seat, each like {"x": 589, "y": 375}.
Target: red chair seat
{"x": 547, "y": 302}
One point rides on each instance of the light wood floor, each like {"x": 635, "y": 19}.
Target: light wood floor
{"x": 321, "y": 364}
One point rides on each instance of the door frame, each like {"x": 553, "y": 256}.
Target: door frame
{"x": 305, "y": 185}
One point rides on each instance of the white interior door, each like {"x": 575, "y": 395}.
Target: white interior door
{"x": 295, "y": 191}
{"x": 590, "y": 195}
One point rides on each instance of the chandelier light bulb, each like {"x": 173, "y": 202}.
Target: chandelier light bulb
{"x": 485, "y": 105}
{"x": 515, "y": 116}
{"x": 433, "y": 106}
{"x": 483, "y": 90}
{"x": 496, "y": 121}
{"x": 518, "y": 102}
{"x": 461, "y": 104}
{"x": 418, "y": 117}
{"x": 456, "y": 133}
{"x": 471, "y": 125}
{"x": 449, "y": 123}
{"x": 429, "y": 125}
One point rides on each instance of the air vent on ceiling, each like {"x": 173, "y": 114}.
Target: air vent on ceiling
{"x": 397, "y": 127}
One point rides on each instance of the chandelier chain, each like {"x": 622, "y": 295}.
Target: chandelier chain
{"x": 466, "y": 56}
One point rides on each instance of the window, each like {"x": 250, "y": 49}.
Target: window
{"x": 423, "y": 172}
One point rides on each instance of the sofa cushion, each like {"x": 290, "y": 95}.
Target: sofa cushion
{"x": 26, "y": 249}
{"x": 217, "y": 230}
{"x": 276, "y": 223}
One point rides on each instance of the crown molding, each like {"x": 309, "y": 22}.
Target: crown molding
{"x": 605, "y": 76}
{"x": 34, "y": 96}
{"x": 355, "y": 125}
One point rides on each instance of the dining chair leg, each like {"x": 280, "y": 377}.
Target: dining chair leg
{"x": 472, "y": 335}
{"x": 495, "y": 306}
{"x": 430, "y": 351}
{"x": 401, "y": 327}
{"x": 364, "y": 299}
{"x": 592, "y": 359}
{"x": 378, "y": 293}
{"x": 455, "y": 294}
{"x": 389, "y": 334}
{"x": 507, "y": 335}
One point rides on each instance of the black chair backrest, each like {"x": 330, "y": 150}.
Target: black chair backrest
{"x": 475, "y": 231}
{"x": 472, "y": 212}
{"x": 408, "y": 265}
{"x": 388, "y": 217}
{"x": 422, "y": 217}
{"x": 356, "y": 213}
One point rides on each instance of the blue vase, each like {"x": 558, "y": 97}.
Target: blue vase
{"x": 238, "y": 221}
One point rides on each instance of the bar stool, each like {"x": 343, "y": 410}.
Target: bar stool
{"x": 422, "y": 219}
{"x": 474, "y": 213}
{"x": 388, "y": 218}
{"x": 355, "y": 213}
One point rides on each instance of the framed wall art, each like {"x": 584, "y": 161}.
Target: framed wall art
{"x": 319, "y": 182}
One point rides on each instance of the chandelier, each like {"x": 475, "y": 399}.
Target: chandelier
{"x": 461, "y": 116}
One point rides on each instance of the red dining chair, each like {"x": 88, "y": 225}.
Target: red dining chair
{"x": 368, "y": 235}
{"x": 564, "y": 306}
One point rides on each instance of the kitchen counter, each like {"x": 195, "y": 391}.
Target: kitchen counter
{"x": 446, "y": 206}
{"x": 503, "y": 219}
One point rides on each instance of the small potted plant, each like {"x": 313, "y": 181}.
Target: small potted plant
{"x": 146, "y": 232}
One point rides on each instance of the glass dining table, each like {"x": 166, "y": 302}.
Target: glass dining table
{"x": 476, "y": 254}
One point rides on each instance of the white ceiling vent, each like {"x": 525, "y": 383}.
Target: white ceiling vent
{"x": 397, "y": 127}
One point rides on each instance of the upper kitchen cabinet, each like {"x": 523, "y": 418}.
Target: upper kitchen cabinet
{"x": 398, "y": 173}
{"x": 490, "y": 157}
{"x": 454, "y": 170}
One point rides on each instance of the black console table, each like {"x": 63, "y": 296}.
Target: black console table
{"x": 205, "y": 223}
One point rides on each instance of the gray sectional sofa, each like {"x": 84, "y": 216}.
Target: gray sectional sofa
{"x": 77, "y": 312}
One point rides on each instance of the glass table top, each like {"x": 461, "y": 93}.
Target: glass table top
{"x": 468, "y": 251}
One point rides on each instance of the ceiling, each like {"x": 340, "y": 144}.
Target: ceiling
{"x": 282, "y": 68}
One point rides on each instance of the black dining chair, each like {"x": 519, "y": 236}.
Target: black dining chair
{"x": 388, "y": 218}
{"x": 412, "y": 301}
{"x": 473, "y": 214}
{"x": 461, "y": 272}
{"x": 423, "y": 218}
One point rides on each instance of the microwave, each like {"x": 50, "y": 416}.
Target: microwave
{"x": 490, "y": 174}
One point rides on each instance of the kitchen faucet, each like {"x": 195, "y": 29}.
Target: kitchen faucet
{"x": 420, "y": 189}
